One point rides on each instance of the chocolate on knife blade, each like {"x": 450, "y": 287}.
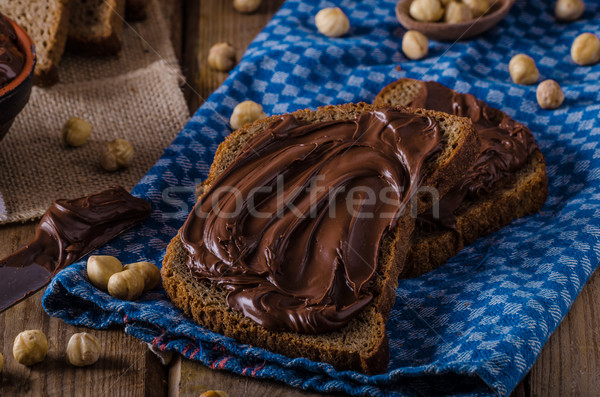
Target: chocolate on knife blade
{"x": 69, "y": 230}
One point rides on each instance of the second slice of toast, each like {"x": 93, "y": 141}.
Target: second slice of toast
{"x": 515, "y": 195}
{"x": 361, "y": 344}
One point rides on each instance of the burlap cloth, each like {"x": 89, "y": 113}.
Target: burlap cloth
{"x": 135, "y": 96}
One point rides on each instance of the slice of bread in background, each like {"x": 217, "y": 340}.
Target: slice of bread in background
{"x": 515, "y": 196}
{"x": 525, "y": 194}
{"x": 135, "y": 10}
{"x": 95, "y": 26}
{"x": 362, "y": 344}
{"x": 47, "y": 22}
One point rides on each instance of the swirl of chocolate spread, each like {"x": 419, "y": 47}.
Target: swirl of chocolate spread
{"x": 505, "y": 146}
{"x": 12, "y": 58}
{"x": 303, "y": 260}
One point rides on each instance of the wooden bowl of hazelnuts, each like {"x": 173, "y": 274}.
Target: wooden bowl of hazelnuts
{"x": 451, "y": 20}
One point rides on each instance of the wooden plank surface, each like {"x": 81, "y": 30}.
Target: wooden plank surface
{"x": 569, "y": 363}
{"x": 209, "y": 22}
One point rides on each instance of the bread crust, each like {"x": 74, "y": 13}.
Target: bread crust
{"x": 362, "y": 344}
{"x": 102, "y": 46}
{"x": 101, "y": 39}
{"x": 135, "y": 10}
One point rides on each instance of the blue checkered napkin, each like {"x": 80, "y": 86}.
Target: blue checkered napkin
{"x": 472, "y": 327}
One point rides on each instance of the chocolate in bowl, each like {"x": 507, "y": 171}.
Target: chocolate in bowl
{"x": 12, "y": 59}
{"x": 17, "y": 62}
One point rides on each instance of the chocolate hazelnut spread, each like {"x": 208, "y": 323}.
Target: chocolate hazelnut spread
{"x": 275, "y": 229}
{"x": 68, "y": 230}
{"x": 12, "y": 58}
{"x": 505, "y": 146}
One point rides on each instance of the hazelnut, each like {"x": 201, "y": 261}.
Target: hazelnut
{"x": 523, "y": 70}
{"x": 100, "y": 268}
{"x": 332, "y": 22}
{"x": 586, "y": 49}
{"x": 426, "y": 10}
{"x": 549, "y": 94}
{"x": 246, "y": 6}
{"x": 569, "y": 10}
{"x": 478, "y": 7}
{"x": 83, "y": 349}
{"x": 126, "y": 285}
{"x": 246, "y": 112}
{"x": 415, "y": 45}
{"x": 457, "y": 12}
{"x": 221, "y": 57}
{"x": 214, "y": 393}
{"x": 149, "y": 272}
{"x": 75, "y": 132}
{"x": 117, "y": 154}
{"x": 30, "y": 347}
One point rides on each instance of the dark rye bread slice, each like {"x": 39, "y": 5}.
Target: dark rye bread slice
{"x": 95, "y": 27}
{"x": 47, "y": 22}
{"x": 516, "y": 196}
{"x": 520, "y": 196}
{"x": 362, "y": 344}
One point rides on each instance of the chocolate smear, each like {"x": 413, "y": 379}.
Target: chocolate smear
{"x": 69, "y": 230}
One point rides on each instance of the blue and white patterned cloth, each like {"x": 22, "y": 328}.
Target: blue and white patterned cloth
{"x": 472, "y": 327}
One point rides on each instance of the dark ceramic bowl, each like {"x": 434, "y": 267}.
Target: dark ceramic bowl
{"x": 14, "y": 96}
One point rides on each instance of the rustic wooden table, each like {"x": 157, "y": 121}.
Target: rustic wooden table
{"x": 568, "y": 365}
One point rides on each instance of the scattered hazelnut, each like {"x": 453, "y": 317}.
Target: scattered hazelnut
{"x": 569, "y": 10}
{"x": 1, "y": 362}
{"x": 523, "y": 70}
{"x": 100, "y": 268}
{"x": 549, "y": 94}
{"x": 126, "y": 285}
{"x": 246, "y": 112}
{"x": 83, "y": 349}
{"x": 117, "y": 154}
{"x": 332, "y": 22}
{"x": 586, "y": 49}
{"x": 426, "y": 10}
{"x": 457, "y": 12}
{"x": 30, "y": 347}
{"x": 478, "y": 7}
{"x": 221, "y": 57}
{"x": 246, "y": 6}
{"x": 415, "y": 45}
{"x": 149, "y": 272}
{"x": 75, "y": 132}
{"x": 214, "y": 393}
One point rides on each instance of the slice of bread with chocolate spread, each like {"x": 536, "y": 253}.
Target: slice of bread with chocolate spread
{"x": 489, "y": 198}
{"x": 361, "y": 344}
